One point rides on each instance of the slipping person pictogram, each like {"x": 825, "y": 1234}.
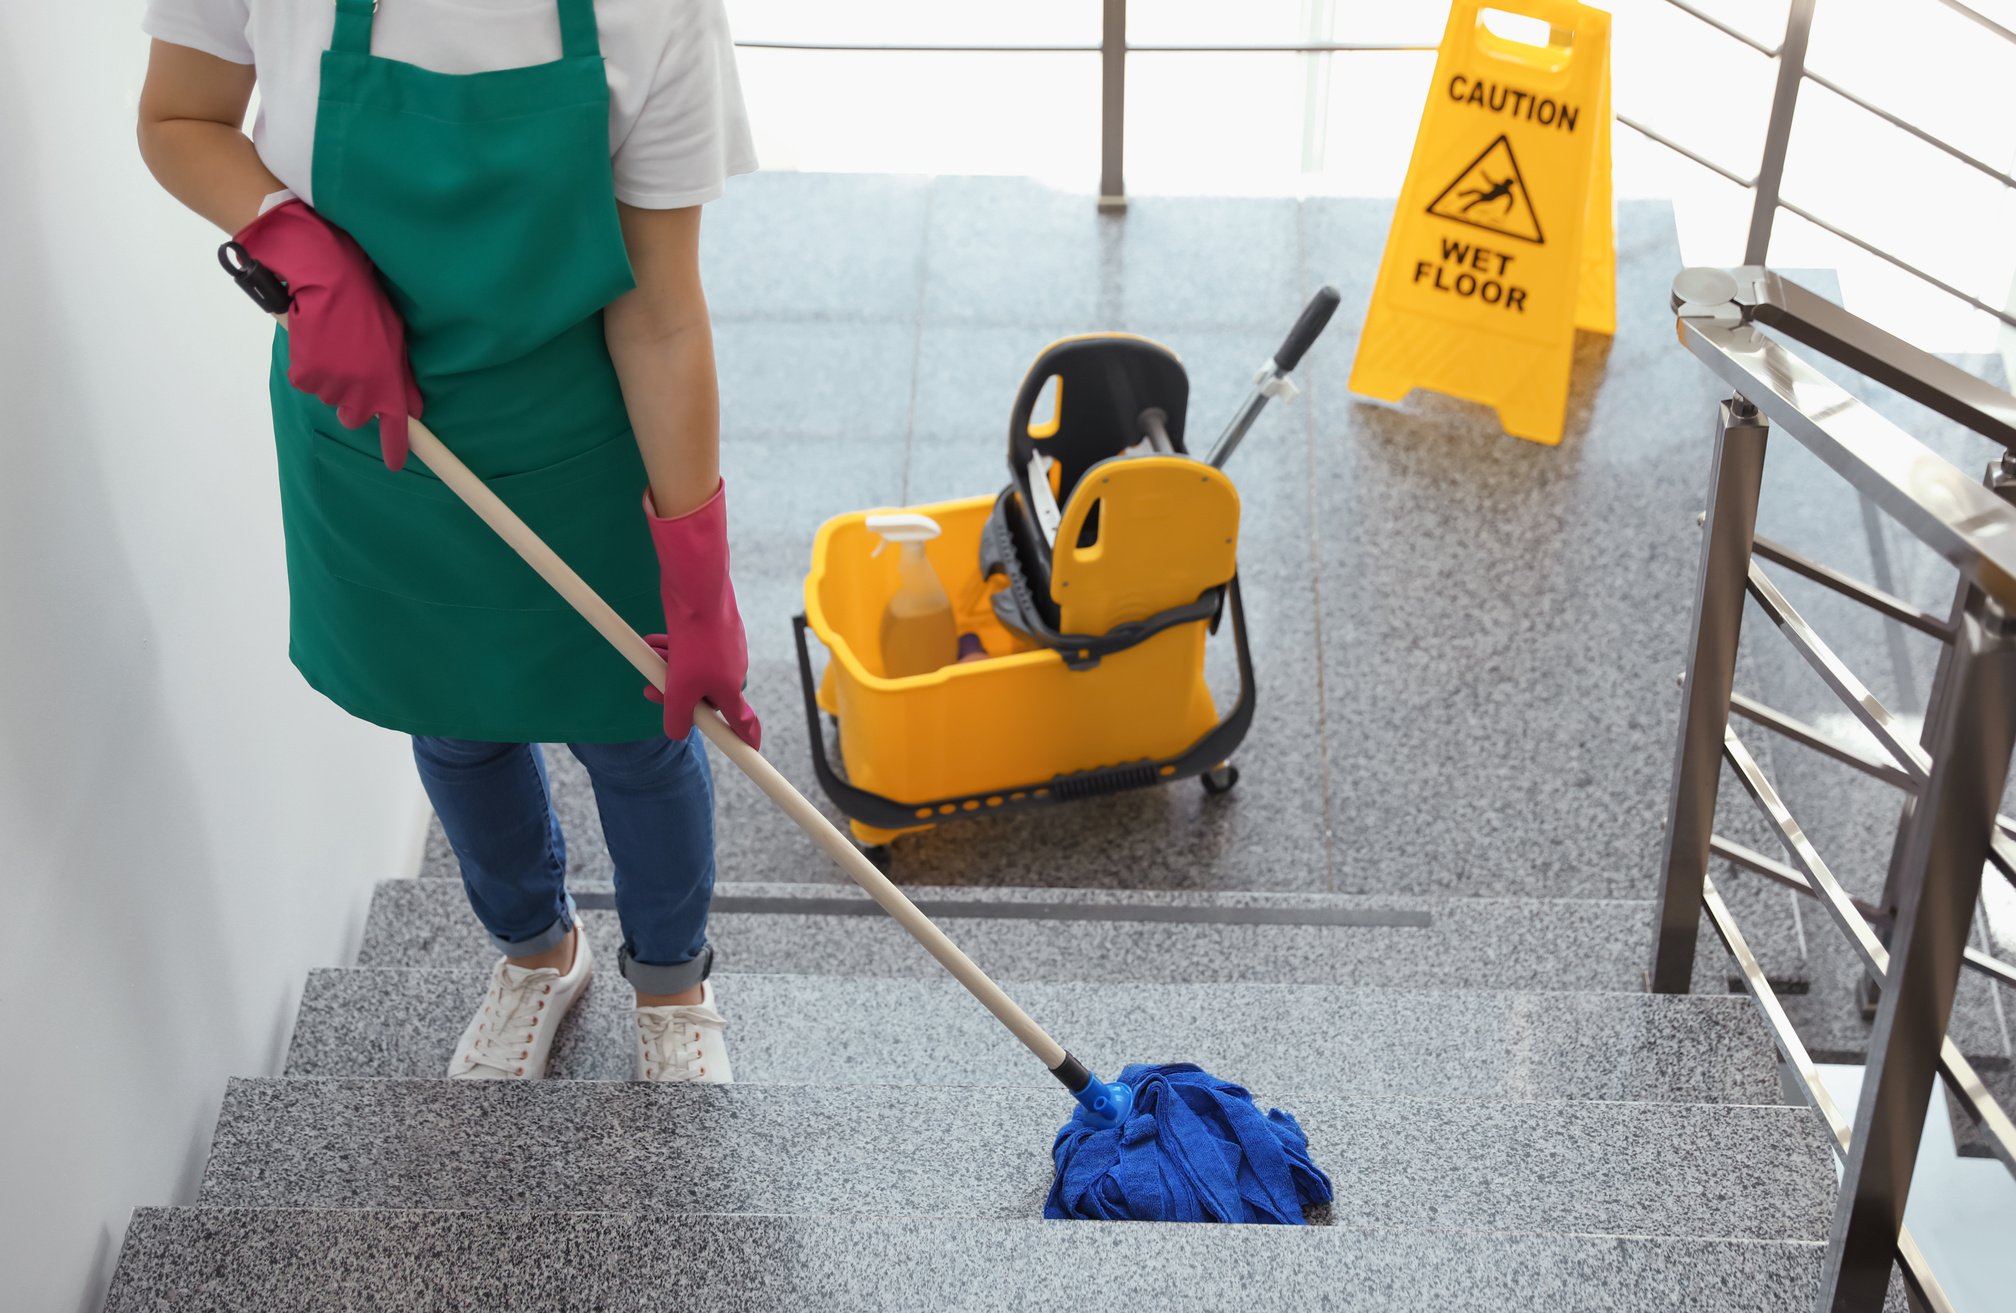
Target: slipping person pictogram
{"x": 1500, "y": 189}
{"x": 1490, "y": 193}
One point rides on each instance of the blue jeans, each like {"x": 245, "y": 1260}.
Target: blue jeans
{"x": 656, "y": 798}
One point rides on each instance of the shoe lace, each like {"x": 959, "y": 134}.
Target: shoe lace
{"x": 673, "y": 1040}
{"x": 513, "y": 1011}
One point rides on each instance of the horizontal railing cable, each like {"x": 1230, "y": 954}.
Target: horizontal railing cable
{"x": 1976, "y": 16}
{"x": 1840, "y": 1129}
{"x": 1733, "y": 33}
{"x": 1757, "y": 863}
{"x": 1094, "y": 48}
{"x": 1654, "y": 134}
{"x": 927, "y": 47}
{"x": 1959, "y": 1074}
{"x": 1749, "y": 859}
{"x": 1887, "y": 730}
{"x": 1854, "y": 589}
{"x": 1900, "y": 262}
{"x": 1808, "y": 737}
{"x": 1910, "y": 128}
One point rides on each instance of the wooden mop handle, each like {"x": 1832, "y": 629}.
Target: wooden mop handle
{"x": 571, "y": 586}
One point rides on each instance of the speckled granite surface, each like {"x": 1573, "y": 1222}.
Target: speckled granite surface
{"x": 1466, "y": 643}
{"x": 1502, "y": 621}
{"x": 1362, "y": 1043}
{"x": 210, "y": 1260}
{"x": 1481, "y": 943}
{"x": 1750, "y": 1171}
{"x": 1466, "y": 649}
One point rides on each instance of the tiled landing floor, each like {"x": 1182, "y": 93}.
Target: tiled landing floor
{"x": 1466, "y": 644}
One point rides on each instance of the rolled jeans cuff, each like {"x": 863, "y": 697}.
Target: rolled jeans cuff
{"x": 550, "y": 937}
{"x": 674, "y": 978}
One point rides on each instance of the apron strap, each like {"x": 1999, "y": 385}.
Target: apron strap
{"x": 353, "y": 26}
{"x": 577, "y": 30}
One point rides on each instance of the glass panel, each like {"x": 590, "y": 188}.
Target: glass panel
{"x": 911, "y": 22}
{"x": 851, "y": 111}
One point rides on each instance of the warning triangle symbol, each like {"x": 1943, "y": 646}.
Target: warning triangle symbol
{"x": 1490, "y": 194}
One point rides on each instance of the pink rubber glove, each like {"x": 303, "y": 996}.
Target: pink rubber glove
{"x": 706, "y": 654}
{"x": 345, "y": 342}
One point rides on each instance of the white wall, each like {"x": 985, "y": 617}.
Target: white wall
{"x": 185, "y": 828}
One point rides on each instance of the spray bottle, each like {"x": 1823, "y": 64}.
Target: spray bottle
{"x": 919, "y": 634}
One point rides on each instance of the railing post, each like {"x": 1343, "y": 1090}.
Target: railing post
{"x": 1951, "y": 828}
{"x": 1113, "y": 106}
{"x": 2000, "y": 478}
{"x": 1778, "y": 131}
{"x": 1735, "y": 475}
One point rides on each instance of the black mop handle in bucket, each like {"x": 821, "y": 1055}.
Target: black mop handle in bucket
{"x": 1272, "y": 379}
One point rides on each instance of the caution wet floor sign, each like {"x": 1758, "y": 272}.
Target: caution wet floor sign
{"x": 1502, "y": 243}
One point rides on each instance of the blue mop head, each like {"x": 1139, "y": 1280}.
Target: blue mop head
{"x": 1192, "y": 1148}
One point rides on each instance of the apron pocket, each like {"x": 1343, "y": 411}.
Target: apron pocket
{"x": 409, "y": 535}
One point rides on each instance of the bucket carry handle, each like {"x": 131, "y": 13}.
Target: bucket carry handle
{"x": 886, "y": 813}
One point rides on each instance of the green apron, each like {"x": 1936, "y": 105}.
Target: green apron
{"x": 487, "y": 202}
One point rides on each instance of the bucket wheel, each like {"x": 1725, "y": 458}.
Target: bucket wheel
{"x": 1220, "y": 779}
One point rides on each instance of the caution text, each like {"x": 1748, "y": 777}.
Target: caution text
{"x": 1522, "y": 105}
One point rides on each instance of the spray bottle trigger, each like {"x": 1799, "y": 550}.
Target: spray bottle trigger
{"x": 901, "y": 527}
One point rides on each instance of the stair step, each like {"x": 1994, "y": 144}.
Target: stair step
{"x": 1362, "y": 1042}
{"x": 1746, "y": 1172}
{"x": 228, "y": 1260}
{"x": 1055, "y": 934}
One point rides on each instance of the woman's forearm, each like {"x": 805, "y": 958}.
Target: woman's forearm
{"x": 660, "y": 337}
{"x": 670, "y": 390}
{"x": 190, "y": 109}
{"x": 210, "y": 168}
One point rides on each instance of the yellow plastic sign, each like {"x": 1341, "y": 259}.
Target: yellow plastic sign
{"x": 1503, "y": 243}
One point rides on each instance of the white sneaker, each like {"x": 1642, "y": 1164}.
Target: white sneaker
{"x": 684, "y": 1044}
{"x": 511, "y": 1035}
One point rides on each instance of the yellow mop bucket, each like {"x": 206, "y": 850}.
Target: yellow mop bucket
{"x": 1092, "y": 583}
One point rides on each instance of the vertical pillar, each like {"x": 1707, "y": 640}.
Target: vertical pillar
{"x": 1778, "y": 131}
{"x": 1735, "y": 476}
{"x": 1113, "y": 106}
{"x": 2000, "y": 479}
{"x": 1939, "y": 886}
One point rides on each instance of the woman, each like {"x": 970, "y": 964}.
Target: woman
{"x": 490, "y": 211}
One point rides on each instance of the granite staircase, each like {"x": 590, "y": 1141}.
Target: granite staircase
{"x": 1458, "y": 1019}
{"x": 1505, "y": 1117}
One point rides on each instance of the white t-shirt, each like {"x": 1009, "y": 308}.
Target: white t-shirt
{"x": 677, "y": 127}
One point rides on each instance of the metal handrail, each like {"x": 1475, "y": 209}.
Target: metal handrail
{"x": 1914, "y": 945}
{"x": 1965, "y": 523}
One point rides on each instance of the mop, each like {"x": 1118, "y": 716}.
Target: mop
{"x": 1164, "y": 1143}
